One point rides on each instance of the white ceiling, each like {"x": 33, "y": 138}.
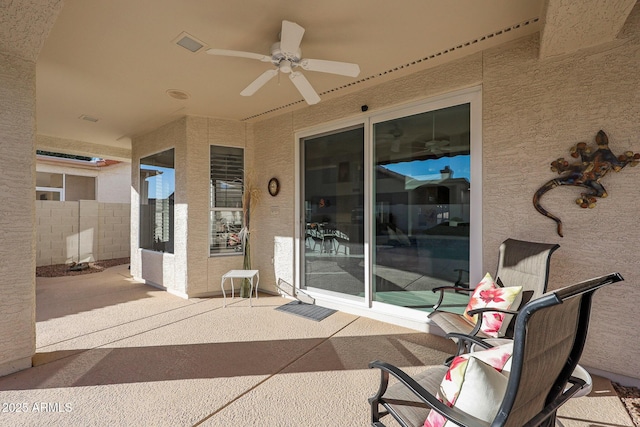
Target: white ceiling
{"x": 115, "y": 59}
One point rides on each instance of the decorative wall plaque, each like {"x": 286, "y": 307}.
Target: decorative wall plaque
{"x": 586, "y": 173}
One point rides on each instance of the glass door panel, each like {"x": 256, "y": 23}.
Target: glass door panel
{"x": 333, "y": 185}
{"x": 421, "y": 205}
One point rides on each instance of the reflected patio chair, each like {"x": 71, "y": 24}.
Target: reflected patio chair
{"x": 520, "y": 263}
{"x": 342, "y": 240}
{"x": 317, "y": 236}
{"x": 549, "y": 337}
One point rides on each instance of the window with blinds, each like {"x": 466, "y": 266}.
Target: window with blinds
{"x": 226, "y": 187}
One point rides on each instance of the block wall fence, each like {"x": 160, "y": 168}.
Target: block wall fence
{"x": 81, "y": 231}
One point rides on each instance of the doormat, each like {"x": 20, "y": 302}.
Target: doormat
{"x": 308, "y": 311}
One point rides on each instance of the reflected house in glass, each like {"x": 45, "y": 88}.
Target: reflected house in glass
{"x": 442, "y": 235}
{"x": 435, "y": 227}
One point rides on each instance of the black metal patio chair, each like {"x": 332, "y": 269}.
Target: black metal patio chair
{"x": 549, "y": 337}
{"x": 521, "y": 263}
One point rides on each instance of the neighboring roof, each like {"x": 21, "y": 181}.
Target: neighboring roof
{"x": 73, "y": 160}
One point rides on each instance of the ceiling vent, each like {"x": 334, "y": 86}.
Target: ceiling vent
{"x": 189, "y": 42}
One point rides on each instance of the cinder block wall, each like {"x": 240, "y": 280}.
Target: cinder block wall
{"x": 81, "y": 231}
{"x": 113, "y": 230}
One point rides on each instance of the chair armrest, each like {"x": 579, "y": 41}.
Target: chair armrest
{"x": 465, "y": 341}
{"x": 442, "y": 289}
{"x": 453, "y": 414}
{"x": 489, "y": 310}
{"x": 469, "y": 339}
{"x": 451, "y": 288}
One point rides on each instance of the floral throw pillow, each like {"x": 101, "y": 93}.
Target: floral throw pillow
{"x": 488, "y": 294}
{"x": 475, "y": 383}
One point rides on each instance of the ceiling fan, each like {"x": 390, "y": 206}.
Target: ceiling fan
{"x": 434, "y": 146}
{"x": 286, "y": 56}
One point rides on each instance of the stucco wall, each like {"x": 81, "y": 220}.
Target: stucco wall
{"x": 273, "y": 222}
{"x": 190, "y": 271}
{"x": 201, "y": 134}
{"x": 17, "y": 253}
{"x": 171, "y": 135}
{"x": 114, "y": 184}
{"x": 533, "y": 112}
{"x": 24, "y": 26}
{"x": 81, "y": 231}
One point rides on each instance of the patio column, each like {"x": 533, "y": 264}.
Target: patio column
{"x": 24, "y": 27}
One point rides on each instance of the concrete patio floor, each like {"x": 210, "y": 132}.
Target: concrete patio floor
{"x": 114, "y": 352}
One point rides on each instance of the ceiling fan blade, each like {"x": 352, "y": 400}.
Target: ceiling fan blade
{"x": 333, "y": 67}
{"x": 304, "y": 87}
{"x": 290, "y": 37}
{"x": 239, "y": 54}
{"x": 259, "y": 82}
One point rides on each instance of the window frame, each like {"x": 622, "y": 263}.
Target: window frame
{"x": 231, "y": 235}
{"x": 171, "y": 212}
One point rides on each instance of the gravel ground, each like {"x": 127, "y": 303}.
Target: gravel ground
{"x": 630, "y": 396}
{"x": 58, "y": 270}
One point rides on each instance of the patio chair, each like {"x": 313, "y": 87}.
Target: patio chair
{"x": 520, "y": 263}
{"x": 550, "y": 332}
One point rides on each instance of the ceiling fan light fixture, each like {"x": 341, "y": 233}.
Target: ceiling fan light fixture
{"x": 285, "y": 66}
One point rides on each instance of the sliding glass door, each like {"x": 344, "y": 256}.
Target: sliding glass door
{"x": 392, "y": 207}
{"x": 333, "y": 210}
{"x": 421, "y": 202}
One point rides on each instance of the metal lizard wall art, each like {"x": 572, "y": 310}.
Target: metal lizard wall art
{"x": 587, "y": 173}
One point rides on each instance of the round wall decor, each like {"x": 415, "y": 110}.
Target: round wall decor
{"x": 274, "y": 186}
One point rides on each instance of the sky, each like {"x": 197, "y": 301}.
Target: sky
{"x": 430, "y": 169}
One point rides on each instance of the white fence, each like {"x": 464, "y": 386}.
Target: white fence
{"x": 81, "y": 231}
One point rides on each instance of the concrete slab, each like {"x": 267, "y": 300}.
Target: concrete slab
{"x": 115, "y": 352}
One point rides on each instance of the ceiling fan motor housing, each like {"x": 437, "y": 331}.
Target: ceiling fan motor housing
{"x": 278, "y": 57}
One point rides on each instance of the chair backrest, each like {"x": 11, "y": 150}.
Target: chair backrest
{"x": 549, "y": 339}
{"x": 525, "y": 264}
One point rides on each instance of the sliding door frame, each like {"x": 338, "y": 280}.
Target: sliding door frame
{"x": 472, "y": 96}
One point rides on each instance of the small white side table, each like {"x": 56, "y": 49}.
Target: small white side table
{"x": 240, "y": 274}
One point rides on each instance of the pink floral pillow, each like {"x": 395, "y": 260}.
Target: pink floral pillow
{"x": 475, "y": 383}
{"x": 488, "y": 294}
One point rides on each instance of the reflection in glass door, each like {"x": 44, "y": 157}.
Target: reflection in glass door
{"x": 333, "y": 185}
{"x": 421, "y": 205}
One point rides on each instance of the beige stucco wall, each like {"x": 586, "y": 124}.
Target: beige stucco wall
{"x": 159, "y": 269}
{"x": 113, "y": 184}
{"x": 190, "y": 271}
{"x": 17, "y": 253}
{"x": 533, "y": 112}
{"x": 23, "y": 28}
{"x": 81, "y": 231}
{"x": 204, "y": 132}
